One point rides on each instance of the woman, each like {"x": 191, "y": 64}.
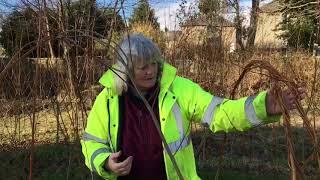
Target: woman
{"x": 121, "y": 140}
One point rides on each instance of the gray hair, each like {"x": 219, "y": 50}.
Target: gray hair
{"x": 135, "y": 49}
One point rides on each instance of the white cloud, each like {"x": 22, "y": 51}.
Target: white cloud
{"x": 167, "y": 16}
{"x": 245, "y": 6}
{"x": 263, "y": 2}
{"x": 167, "y": 13}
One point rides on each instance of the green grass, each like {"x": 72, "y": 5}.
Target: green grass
{"x": 51, "y": 161}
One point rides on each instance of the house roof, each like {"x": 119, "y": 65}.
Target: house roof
{"x": 271, "y": 7}
{"x": 202, "y": 21}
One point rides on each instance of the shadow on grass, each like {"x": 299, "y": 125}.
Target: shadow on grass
{"x": 51, "y": 161}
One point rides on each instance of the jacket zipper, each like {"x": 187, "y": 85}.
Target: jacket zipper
{"x": 109, "y": 125}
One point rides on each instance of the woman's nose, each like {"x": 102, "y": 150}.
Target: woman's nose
{"x": 148, "y": 71}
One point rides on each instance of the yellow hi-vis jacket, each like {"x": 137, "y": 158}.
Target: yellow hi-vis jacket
{"x": 180, "y": 101}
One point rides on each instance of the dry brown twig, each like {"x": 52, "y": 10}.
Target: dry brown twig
{"x": 279, "y": 81}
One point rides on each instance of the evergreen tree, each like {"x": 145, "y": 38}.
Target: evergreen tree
{"x": 21, "y": 26}
{"x": 300, "y": 25}
{"x": 18, "y": 29}
{"x": 212, "y": 10}
{"x": 210, "y": 7}
{"x": 82, "y": 14}
{"x": 143, "y": 13}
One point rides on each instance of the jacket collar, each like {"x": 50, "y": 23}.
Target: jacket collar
{"x": 108, "y": 81}
{"x": 168, "y": 75}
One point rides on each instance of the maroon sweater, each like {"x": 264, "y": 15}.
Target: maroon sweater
{"x": 140, "y": 139}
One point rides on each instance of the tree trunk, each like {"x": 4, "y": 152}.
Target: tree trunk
{"x": 253, "y": 23}
{"x": 238, "y": 23}
{"x": 63, "y": 25}
{"x": 47, "y": 29}
{"x": 318, "y": 26}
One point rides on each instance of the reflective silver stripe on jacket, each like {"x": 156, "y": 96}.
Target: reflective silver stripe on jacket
{"x": 184, "y": 140}
{"x": 89, "y": 137}
{"x": 209, "y": 114}
{"x": 179, "y": 144}
{"x": 250, "y": 112}
{"x": 95, "y": 154}
{"x": 178, "y": 117}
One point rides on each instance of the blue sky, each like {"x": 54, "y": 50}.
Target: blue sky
{"x": 165, "y": 10}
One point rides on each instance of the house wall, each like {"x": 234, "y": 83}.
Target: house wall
{"x": 266, "y": 36}
{"x": 198, "y": 34}
{"x": 229, "y": 38}
{"x": 194, "y": 34}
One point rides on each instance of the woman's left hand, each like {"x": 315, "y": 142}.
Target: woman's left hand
{"x": 289, "y": 98}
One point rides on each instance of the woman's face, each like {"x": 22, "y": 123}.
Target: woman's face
{"x": 145, "y": 75}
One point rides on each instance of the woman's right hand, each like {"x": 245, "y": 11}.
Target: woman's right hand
{"x": 119, "y": 168}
